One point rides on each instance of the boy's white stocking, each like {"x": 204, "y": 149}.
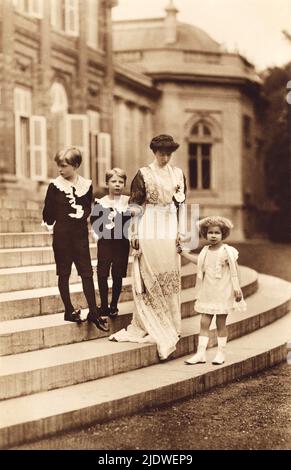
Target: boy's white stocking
{"x": 200, "y": 356}
{"x": 220, "y": 357}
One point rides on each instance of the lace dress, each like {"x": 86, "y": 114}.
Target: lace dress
{"x": 215, "y": 294}
{"x": 156, "y": 316}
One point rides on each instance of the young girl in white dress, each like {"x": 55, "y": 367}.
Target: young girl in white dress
{"x": 218, "y": 289}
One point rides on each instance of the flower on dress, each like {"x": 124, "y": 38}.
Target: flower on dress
{"x": 154, "y": 195}
{"x": 179, "y": 195}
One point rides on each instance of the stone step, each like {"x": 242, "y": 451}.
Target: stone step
{"x": 20, "y": 225}
{"x": 21, "y": 214}
{"x": 25, "y": 240}
{"x": 33, "y": 277}
{"x": 43, "y": 414}
{"x": 30, "y": 334}
{"x": 20, "y": 205}
{"x": 21, "y": 219}
{"x": 20, "y": 257}
{"x": 62, "y": 366}
{"x": 37, "y": 277}
{"x": 37, "y": 237}
{"x": 34, "y": 302}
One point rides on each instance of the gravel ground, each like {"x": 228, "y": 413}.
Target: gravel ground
{"x": 253, "y": 413}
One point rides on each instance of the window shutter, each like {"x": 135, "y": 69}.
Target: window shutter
{"x": 104, "y": 156}
{"x": 22, "y": 101}
{"x": 17, "y": 131}
{"x": 38, "y": 148}
{"x": 54, "y": 13}
{"x": 36, "y": 8}
{"x": 92, "y": 23}
{"x": 72, "y": 17}
{"x": 77, "y": 135}
{"x": 94, "y": 121}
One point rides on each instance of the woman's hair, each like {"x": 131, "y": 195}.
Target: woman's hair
{"x": 223, "y": 223}
{"x": 163, "y": 142}
{"x": 115, "y": 171}
{"x": 70, "y": 155}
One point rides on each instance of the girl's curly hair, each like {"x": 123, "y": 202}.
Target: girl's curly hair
{"x": 223, "y": 223}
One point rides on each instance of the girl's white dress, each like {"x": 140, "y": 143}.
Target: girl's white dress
{"x": 156, "y": 272}
{"x": 216, "y": 281}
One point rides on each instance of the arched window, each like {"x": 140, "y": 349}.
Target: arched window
{"x": 59, "y": 99}
{"x": 59, "y": 105}
{"x": 199, "y": 150}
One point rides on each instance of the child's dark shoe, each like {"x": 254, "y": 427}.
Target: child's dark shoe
{"x": 74, "y": 316}
{"x": 113, "y": 311}
{"x": 103, "y": 312}
{"x": 98, "y": 321}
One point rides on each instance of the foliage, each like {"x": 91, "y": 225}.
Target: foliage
{"x": 278, "y": 148}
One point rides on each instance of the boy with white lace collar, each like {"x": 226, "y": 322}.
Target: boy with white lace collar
{"x": 67, "y": 207}
{"x": 110, "y": 221}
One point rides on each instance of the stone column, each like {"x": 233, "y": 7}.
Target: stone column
{"x": 106, "y": 96}
{"x": 43, "y": 79}
{"x": 82, "y": 66}
{"x": 7, "y": 138}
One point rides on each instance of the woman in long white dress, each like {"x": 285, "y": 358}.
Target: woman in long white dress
{"x": 159, "y": 191}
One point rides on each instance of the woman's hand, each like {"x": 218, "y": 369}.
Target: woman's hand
{"x": 238, "y": 295}
{"x": 135, "y": 210}
{"x": 135, "y": 242}
{"x": 178, "y": 240}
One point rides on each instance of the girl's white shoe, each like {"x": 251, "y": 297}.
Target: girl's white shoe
{"x": 200, "y": 356}
{"x": 220, "y": 357}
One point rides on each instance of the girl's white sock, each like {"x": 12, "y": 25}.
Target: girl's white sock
{"x": 200, "y": 356}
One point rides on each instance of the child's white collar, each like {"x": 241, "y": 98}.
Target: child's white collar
{"x": 120, "y": 202}
{"x": 81, "y": 186}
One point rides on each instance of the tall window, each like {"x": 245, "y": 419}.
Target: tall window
{"x": 59, "y": 110}
{"x": 30, "y": 7}
{"x": 30, "y": 138}
{"x": 65, "y": 16}
{"x": 199, "y": 148}
{"x": 103, "y": 157}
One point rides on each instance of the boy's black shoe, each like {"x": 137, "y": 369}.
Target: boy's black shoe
{"x": 98, "y": 321}
{"x": 103, "y": 312}
{"x": 74, "y": 316}
{"x": 113, "y": 312}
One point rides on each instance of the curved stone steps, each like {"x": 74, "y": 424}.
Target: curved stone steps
{"x": 46, "y": 369}
{"x": 42, "y": 414}
{"x": 25, "y": 240}
{"x": 17, "y": 257}
{"x": 38, "y": 332}
{"x": 33, "y": 302}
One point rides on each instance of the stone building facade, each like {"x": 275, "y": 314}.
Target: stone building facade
{"x": 209, "y": 101}
{"x": 56, "y": 78}
{"x": 68, "y": 76}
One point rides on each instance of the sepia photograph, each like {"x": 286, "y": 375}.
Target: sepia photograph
{"x": 145, "y": 228}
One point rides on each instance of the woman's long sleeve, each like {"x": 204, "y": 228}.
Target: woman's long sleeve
{"x": 137, "y": 190}
{"x": 185, "y": 185}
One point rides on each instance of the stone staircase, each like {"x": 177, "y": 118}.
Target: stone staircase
{"x": 56, "y": 375}
{"x": 19, "y": 215}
